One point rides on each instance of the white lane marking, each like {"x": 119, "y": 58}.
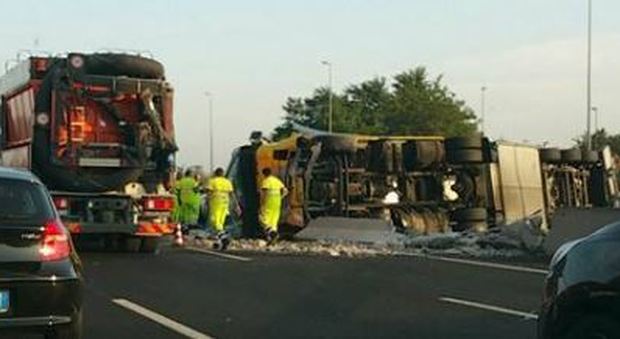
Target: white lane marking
{"x": 218, "y": 254}
{"x": 479, "y": 263}
{"x": 492, "y": 308}
{"x": 160, "y": 319}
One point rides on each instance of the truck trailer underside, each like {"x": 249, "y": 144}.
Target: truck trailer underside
{"x": 419, "y": 185}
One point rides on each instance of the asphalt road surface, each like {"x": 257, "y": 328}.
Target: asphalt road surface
{"x": 183, "y": 293}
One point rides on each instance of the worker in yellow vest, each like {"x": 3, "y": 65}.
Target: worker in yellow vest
{"x": 187, "y": 210}
{"x": 219, "y": 189}
{"x": 271, "y": 194}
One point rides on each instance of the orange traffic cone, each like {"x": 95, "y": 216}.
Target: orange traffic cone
{"x": 178, "y": 236}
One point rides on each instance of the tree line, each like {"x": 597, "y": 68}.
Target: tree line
{"x": 600, "y": 139}
{"x": 411, "y": 103}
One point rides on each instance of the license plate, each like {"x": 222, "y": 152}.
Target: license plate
{"x": 4, "y": 301}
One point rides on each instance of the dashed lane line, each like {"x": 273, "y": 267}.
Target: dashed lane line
{"x": 492, "y": 308}
{"x": 218, "y": 254}
{"x": 160, "y": 319}
{"x": 486, "y": 264}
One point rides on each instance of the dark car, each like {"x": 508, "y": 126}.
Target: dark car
{"x": 582, "y": 293}
{"x": 41, "y": 280}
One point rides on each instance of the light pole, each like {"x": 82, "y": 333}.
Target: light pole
{"x": 331, "y": 95}
{"x": 589, "y": 80}
{"x": 483, "y": 91}
{"x": 595, "y": 111}
{"x": 209, "y": 96}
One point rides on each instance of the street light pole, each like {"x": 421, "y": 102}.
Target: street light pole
{"x": 589, "y": 80}
{"x": 595, "y": 111}
{"x": 331, "y": 95}
{"x": 209, "y": 95}
{"x": 483, "y": 90}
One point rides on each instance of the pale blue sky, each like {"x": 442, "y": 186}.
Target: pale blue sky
{"x": 253, "y": 54}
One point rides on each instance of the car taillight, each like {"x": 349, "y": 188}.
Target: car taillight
{"x": 55, "y": 242}
{"x": 61, "y": 203}
{"x": 158, "y": 204}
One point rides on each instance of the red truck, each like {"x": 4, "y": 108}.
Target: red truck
{"x": 98, "y": 130}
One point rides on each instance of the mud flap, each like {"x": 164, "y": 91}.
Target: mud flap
{"x": 569, "y": 224}
{"x": 339, "y": 229}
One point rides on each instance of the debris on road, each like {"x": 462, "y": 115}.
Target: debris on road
{"x": 469, "y": 244}
{"x": 518, "y": 240}
{"x": 323, "y": 248}
{"x": 333, "y": 249}
{"x": 359, "y": 230}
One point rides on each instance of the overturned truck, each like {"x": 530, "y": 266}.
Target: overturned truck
{"x": 419, "y": 184}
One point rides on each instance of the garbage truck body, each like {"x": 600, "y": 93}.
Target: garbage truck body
{"x": 98, "y": 130}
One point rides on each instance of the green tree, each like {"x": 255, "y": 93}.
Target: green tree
{"x": 600, "y": 139}
{"x": 412, "y": 104}
{"x": 367, "y": 106}
{"x": 425, "y": 106}
{"x": 311, "y": 112}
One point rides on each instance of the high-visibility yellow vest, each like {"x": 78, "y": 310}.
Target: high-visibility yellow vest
{"x": 220, "y": 189}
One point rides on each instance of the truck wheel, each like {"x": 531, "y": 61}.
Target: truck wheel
{"x": 123, "y": 64}
{"x": 458, "y": 143}
{"x": 470, "y": 214}
{"x": 589, "y": 157}
{"x": 337, "y": 144}
{"x": 422, "y": 154}
{"x": 150, "y": 245}
{"x": 550, "y": 155}
{"x": 465, "y": 156}
{"x": 470, "y": 218}
{"x": 572, "y": 155}
{"x": 132, "y": 244}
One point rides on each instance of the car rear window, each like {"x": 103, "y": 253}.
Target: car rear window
{"x": 23, "y": 201}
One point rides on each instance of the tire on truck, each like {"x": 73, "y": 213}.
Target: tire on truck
{"x": 422, "y": 154}
{"x": 550, "y": 155}
{"x": 337, "y": 144}
{"x": 458, "y": 143}
{"x": 468, "y": 218}
{"x": 465, "y": 156}
{"x": 464, "y": 150}
{"x": 150, "y": 245}
{"x": 572, "y": 155}
{"x": 590, "y": 157}
{"x": 132, "y": 66}
{"x": 131, "y": 244}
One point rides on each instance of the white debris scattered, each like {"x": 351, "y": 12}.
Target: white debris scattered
{"x": 505, "y": 242}
{"x": 333, "y": 253}
{"x": 479, "y": 245}
{"x": 332, "y": 249}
